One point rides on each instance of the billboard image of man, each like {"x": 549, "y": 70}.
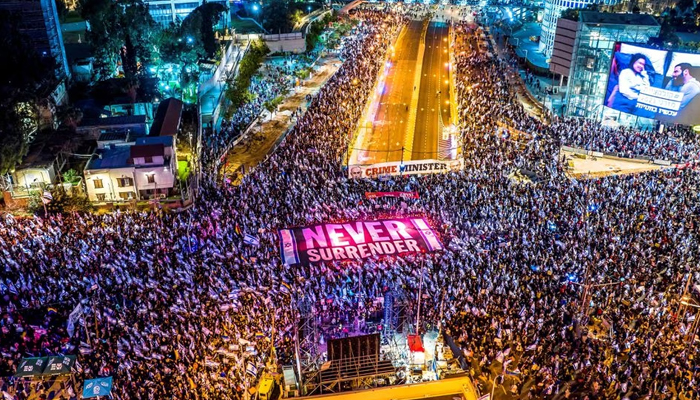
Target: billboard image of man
{"x": 682, "y": 81}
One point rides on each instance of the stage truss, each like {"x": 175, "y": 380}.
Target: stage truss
{"x": 320, "y": 377}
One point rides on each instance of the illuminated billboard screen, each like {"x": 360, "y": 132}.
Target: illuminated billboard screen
{"x": 655, "y": 83}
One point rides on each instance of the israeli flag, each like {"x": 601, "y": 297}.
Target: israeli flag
{"x": 251, "y": 369}
{"x": 97, "y": 387}
{"x": 251, "y": 240}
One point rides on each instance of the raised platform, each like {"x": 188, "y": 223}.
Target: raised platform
{"x": 461, "y": 388}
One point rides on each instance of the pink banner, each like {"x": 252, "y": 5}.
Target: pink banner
{"x": 357, "y": 240}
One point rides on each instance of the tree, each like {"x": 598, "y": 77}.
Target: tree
{"x": 211, "y": 12}
{"x": 71, "y": 176}
{"x": 119, "y": 28}
{"x": 237, "y": 92}
{"x": 277, "y": 16}
{"x": 13, "y": 145}
{"x": 24, "y": 73}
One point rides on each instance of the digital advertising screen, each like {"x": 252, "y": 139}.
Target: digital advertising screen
{"x": 654, "y": 83}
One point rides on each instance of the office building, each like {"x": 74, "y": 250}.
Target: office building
{"x": 583, "y": 52}
{"x": 552, "y": 12}
{"x": 38, "y": 19}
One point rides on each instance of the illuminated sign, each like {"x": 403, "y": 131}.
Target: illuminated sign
{"x": 357, "y": 240}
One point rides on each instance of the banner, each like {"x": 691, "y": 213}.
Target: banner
{"x": 403, "y": 195}
{"x": 356, "y": 240}
{"x": 97, "y": 387}
{"x": 404, "y": 168}
{"x": 31, "y": 366}
{"x": 59, "y": 365}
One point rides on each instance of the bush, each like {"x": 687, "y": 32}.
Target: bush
{"x": 62, "y": 202}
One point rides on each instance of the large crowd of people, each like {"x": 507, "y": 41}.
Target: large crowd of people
{"x": 560, "y": 289}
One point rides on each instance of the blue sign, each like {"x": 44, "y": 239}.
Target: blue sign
{"x": 97, "y": 387}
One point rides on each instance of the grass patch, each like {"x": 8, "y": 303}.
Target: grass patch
{"x": 183, "y": 170}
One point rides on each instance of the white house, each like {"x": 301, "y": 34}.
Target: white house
{"x": 140, "y": 170}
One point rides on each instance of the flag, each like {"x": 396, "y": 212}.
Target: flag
{"x": 238, "y": 229}
{"x": 485, "y": 397}
{"x": 500, "y": 357}
{"x": 285, "y": 287}
{"x": 52, "y": 310}
{"x": 46, "y": 197}
{"x": 251, "y": 240}
{"x": 97, "y": 387}
{"x": 515, "y": 371}
{"x": 415, "y": 344}
{"x": 72, "y": 318}
{"x": 259, "y": 335}
{"x": 251, "y": 369}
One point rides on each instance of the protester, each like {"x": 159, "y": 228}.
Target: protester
{"x": 180, "y": 305}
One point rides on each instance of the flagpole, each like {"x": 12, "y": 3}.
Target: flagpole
{"x": 420, "y": 294}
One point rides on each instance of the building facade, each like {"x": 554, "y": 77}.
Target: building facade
{"x": 130, "y": 171}
{"x": 552, "y": 12}
{"x": 39, "y": 21}
{"x": 166, "y": 11}
{"x": 592, "y": 52}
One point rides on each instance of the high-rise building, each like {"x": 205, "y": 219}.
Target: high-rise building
{"x": 587, "y": 63}
{"x": 38, "y": 19}
{"x": 552, "y": 12}
{"x": 166, "y": 11}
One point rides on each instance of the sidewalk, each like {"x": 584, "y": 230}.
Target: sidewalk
{"x": 261, "y": 139}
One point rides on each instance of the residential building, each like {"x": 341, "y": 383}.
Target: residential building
{"x": 167, "y": 119}
{"x": 583, "y": 53}
{"x": 93, "y": 128}
{"x": 126, "y": 171}
{"x": 38, "y": 19}
{"x": 552, "y": 12}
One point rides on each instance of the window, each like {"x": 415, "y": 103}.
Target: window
{"x": 126, "y": 195}
{"x": 151, "y": 178}
{"x": 98, "y": 183}
{"x": 124, "y": 182}
{"x": 100, "y": 196}
{"x": 148, "y": 160}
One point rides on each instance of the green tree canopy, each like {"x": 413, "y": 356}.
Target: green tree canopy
{"x": 23, "y": 73}
{"x": 277, "y": 16}
{"x": 119, "y": 30}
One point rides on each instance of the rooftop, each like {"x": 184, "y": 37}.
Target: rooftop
{"x": 594, "y": 17}
{"x": 147, "y": 150}
{"x": 167, "y": 119}
{"x": 110, "y": 157}
{"x": 113, "y": 121}
{"x": 166, "y": 141}
{"x": 121, "y": 156}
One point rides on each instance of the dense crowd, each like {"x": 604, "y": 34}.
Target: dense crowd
{"x": 178, "y": 305}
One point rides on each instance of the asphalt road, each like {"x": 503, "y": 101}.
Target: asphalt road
{"x": 433, "y": 111}
{"x": 394, "y": 117}
{"x": 390, "y": 122}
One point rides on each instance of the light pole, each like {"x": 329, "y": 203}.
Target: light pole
{"x": 691, "y": 332}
